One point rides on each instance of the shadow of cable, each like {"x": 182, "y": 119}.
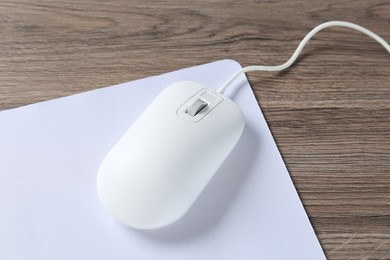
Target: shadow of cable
{"x": 216, "y": 198}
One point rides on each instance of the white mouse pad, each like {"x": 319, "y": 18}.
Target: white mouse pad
{"x": 50, "y": 153}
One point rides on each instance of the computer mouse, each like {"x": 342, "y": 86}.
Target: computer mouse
{"x": 158, "y": 168}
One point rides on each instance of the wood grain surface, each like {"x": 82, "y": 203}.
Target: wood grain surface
{"x": 329, "y": 114}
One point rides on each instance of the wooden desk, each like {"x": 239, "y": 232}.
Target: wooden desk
{"x": 330, "y": 113}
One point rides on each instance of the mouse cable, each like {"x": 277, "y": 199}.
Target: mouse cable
{"x": 305, "y": 40}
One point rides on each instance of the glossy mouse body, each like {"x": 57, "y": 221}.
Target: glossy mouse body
{"x": 155, "y": 172}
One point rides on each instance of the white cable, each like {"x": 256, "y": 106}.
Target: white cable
{"x": 300, "y": 47}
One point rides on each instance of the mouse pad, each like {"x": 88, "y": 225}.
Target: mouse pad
{"x": 49, "y": 209}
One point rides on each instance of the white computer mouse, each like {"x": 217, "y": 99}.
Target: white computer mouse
{"x": 158, "y": 168}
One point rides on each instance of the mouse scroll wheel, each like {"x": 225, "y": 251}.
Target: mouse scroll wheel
{"x": 196, "y": 107}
